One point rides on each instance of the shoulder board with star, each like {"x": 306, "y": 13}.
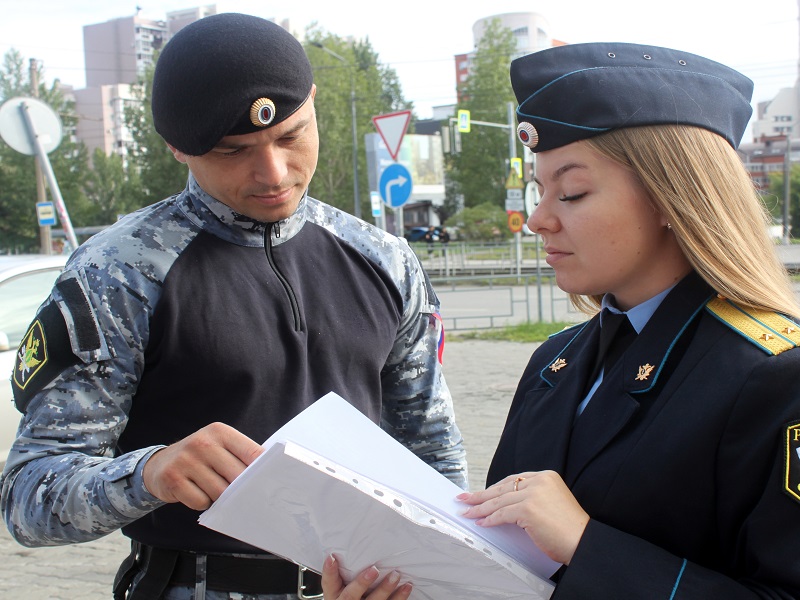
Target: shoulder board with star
{"x": 567, "y": 328}
{"x": 770, "y": 331}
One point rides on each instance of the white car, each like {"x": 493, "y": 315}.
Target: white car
{"x": 25, "y": 282}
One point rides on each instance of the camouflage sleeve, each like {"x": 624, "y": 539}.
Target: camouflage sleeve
{"x": 418, "y": 409}
{"x": 63, "y": 482}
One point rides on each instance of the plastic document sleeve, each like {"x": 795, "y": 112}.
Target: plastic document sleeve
{"x": 304, "y": 503}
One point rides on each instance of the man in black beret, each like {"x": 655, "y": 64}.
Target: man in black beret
{"x": 179, "y": 339}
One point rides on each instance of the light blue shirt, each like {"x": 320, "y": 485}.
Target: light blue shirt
{"x": 639, "y": 315}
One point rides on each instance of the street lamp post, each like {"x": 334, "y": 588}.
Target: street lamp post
{"x": 356, "y": 199}
{"x": 787, "y": 171}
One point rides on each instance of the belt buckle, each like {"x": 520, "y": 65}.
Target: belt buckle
{"x": 301, "y": 586}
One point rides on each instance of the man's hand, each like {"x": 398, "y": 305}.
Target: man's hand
{"x": 196, "y": 470}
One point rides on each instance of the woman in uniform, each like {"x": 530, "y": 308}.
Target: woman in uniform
{"x": 664, "y": 463}
{"x": 653, "y": 450}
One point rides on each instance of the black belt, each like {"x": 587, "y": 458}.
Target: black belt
{"x": 226, "y": 573}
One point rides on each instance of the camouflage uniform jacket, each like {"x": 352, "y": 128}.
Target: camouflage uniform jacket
{"x": 179, "y": 315}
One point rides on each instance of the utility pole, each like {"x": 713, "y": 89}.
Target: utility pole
{"x": 787, "y": 172}
{"x": 45, "y": 233}
{"x": 512, "y": 154}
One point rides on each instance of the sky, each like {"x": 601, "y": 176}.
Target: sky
{"x": 420, "y": 38}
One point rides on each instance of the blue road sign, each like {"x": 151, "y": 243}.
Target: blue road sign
{"x": 395, "y": 185}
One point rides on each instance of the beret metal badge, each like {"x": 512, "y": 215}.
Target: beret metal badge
{"x": 527, "y": 134}
{"x": 262, "y": 112}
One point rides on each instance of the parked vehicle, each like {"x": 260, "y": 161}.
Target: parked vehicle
{"x": 25, "y": 282}
{"x": 417, "y": 234}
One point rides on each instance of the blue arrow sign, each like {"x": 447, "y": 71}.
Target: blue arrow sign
{"x": 395, "y": 185}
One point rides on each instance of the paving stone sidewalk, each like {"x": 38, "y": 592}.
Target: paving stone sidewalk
{"x": 482, "y": 377}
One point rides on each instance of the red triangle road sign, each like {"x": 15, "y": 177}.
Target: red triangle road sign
{"x": 392, "y": 128}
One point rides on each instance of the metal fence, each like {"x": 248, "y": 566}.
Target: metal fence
{"x": 460, "y": 258}
{"x": 489, "y": 301}
{"x": 488, "y": 285}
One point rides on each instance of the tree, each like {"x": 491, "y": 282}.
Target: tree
{"x": 151, "y": 160}
{"x": 18, "y": 222}
{"x": 774, "y": 199}
{"x": 479, "y": 171}
{"x": 111, "y": 190}
{"x": 377, "y": 91}
{"x": 485, "y": 221}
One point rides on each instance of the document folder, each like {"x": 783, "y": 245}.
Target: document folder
{"x": 331, "y": 481}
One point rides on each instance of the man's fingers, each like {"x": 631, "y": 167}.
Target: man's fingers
{"x": 197, "y": 469}
{"x": 238, "y": 444}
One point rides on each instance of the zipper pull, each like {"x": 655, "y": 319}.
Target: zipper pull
{"x": 277, "y": 226}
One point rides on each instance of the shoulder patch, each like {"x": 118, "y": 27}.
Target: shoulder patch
{"x": 770, "y": 331}
{"x": 791, "y": 480}
{"x": 43, "y": 353}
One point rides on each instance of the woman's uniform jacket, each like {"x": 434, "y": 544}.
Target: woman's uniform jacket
{"x": 687, "y": 457}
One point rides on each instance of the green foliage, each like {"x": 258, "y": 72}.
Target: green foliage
{"x": 523, "y": 333}
{"x": 479, "y": 171}
{"x": 112, "y": 190}
{"x": 377, "y": 91}
{"x": 484, "y": 222}
{"x": 19, "y": 230}
{"x": 97, "y": 194}
{"x": 774, "y": 198}
{"x": 152, "y": 164}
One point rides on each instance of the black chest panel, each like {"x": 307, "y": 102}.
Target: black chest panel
{"x": 225, "y": 346}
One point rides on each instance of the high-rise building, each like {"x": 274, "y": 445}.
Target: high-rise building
{"x": 101, "y": 122}
{"x": 116, "y": 53}
{"x": 119, "y": 50}
{"x": 531, "y": 32}
{"x": 178, "y": 19}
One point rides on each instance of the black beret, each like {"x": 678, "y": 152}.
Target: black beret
{"x": 227, "y": 74}
{"x": 577, "y": 91}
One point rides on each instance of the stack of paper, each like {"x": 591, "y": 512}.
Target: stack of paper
{"x": 331, "y": 481}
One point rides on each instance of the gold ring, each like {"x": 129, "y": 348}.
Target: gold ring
{"x": 516, "y": 483}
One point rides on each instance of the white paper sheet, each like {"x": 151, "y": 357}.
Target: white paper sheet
{"x": 333, "y": 481}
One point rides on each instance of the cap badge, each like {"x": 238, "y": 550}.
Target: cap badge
{"x": 527, "y": 134}
{"x": 262, "y": 112}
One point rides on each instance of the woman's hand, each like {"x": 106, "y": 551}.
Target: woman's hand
{"x": 540, "y": 503}
{"x": 334, "y": 588}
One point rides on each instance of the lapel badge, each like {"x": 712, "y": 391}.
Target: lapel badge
{"x": 558, "y": 365}
{"x": 644, "y": 372}
{"x": 262, "y": 112}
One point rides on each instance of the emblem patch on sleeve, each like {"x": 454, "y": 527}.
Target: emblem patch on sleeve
{"x": 42, "y": 354}
{"x": 792, "y": 475}
{"x": 31, "y": 355}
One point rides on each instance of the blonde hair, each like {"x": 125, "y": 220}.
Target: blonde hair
{"x": 698, "y": 182}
